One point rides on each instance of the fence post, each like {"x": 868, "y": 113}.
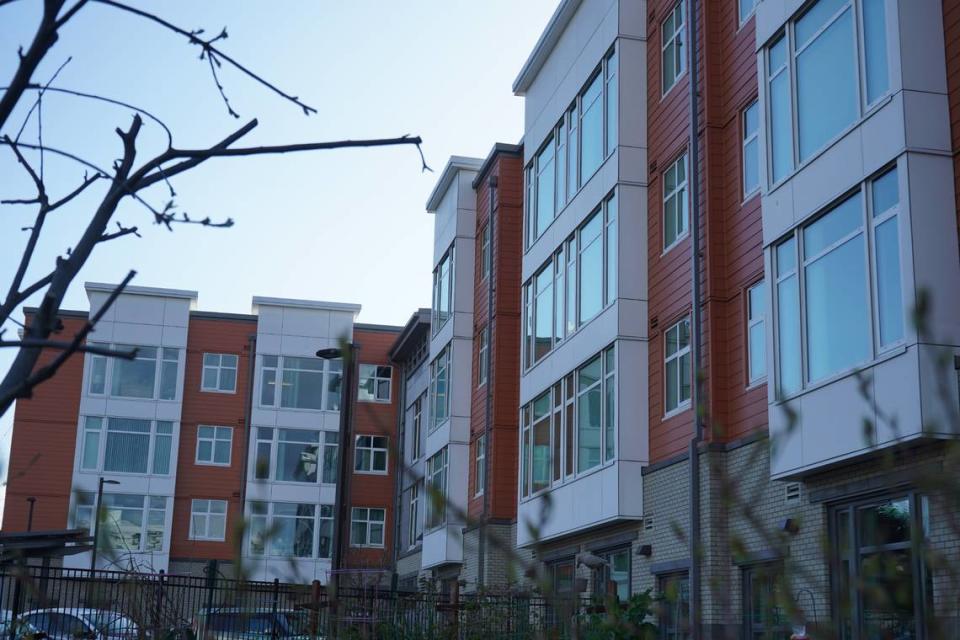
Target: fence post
{"x": 315, "y": 609}
{"x": 211, "y": 587}
{"x": 17, "y": 587}
{"x": 276, "y": 602}
{"x": 455, "y": 607}
{"x": 157, "y": 603}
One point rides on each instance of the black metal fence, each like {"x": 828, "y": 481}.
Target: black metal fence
{"x": 71, "y": 604}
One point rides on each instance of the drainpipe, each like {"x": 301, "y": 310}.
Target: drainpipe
{"x": 695, "y": 332}
{"x": 248, "y": 430}
{"x": 399, "y": 465}
{"x": 488, "y": 421}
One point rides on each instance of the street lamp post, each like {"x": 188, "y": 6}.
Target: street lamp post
{"x": 96, "y": 522}
{"x": 347, "y": 396}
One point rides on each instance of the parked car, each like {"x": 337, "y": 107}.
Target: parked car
{"x": 78, "y": 624}
{"x": 235, "y": 623}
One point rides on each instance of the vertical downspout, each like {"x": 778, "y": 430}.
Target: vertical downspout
{"x": 487, "y": 427}
{"x": 695, "y": 330}
{"x": 400, "y": 465}
{"x": 247, "y": 428}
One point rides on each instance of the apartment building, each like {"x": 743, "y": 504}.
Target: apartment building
{"x": 584, "y": 431}
{"x": 219, "y": 440}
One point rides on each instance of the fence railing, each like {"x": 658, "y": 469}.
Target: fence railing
{"x": 73, "y": 604}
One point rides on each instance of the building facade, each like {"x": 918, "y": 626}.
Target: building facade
{"x": 218, "y": 441}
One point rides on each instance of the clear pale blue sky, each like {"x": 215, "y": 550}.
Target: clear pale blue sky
{"x": 335, "y": 225}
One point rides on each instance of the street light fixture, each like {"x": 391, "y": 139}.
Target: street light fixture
{"x": 96, "y": 522}
{"x": 348, "y": 394}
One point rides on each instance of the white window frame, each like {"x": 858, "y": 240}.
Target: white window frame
{"x": 480, "y": 465}
{"x": 371, "y": 445}
{"x": 415, "y": 525}
{"x": 745, "y": 17}
{"x": 441, "y": 362}
{"x": 485, "y": 254}
{"x": 218, "y": 431}
{"x": 365, "y": 374}
{"x": 682, "y": 196}
{"x": 218, "y": 368}
{"x": 329, "y": 370}
{"x": 449, "y": 261}
{"x": 748, "y": 138}
{"x": 437, "y": 468}
{"x": 417, "y": 424}
{"x": 161, "y": 361}
{"x": 357, "y": 516}
{"x": 103, "y": 433}
{"x": 203, "y": 508}
{"x": 327, "y": 439}
{"x": 682, "y": 405}
{"x": 669, "y": 40}
{"x": 756, "y": 317}
{"x": 85, "y": 506}
{"x": 483, "y": 355}
{"x": 266, "y": 520}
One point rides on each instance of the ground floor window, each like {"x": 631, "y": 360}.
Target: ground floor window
{"x": 674, "y": 609}
{"x": 764, "y": 616}
{"x": 881, "y": 586}
{"x": 613, "y": 578}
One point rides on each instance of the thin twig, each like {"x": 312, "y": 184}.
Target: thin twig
{"x": 61, "y": 345}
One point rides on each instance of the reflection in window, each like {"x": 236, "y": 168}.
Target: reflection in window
{"x": 301, "y": 382}
{"x": 374, "y": 383}
{"x": 129, "y": 522}
{"x": 674, "y": 610}
{"x": 290, "y": 530}
{"x": 676, "y": 366}
{"x": 293, "y": 455}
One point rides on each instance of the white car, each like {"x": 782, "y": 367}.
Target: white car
{"x": 78, "y": 624}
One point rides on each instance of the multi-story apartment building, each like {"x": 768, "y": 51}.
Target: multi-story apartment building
{"x": 219, "y": 440}
{"x": 584, "y": 433}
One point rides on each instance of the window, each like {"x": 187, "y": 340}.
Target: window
{"x": 370, "y": 454}
{"x": 440, "y": 388}
{"x": 571, "y": 426}
{"x": 751, "y": 149}
{"x": 366, "y": 527}
{"x": 151, "y": 374}
{"x": 882, "y": 586}
{"x": 756, "y": 336}
{"x": 559, "y": 298}
{"x": 675, "y": 203}
{"x": 674, "y": 620}
{"x": 573, "y": 151}
{"x": 436, "y": 480}
{"x": 415, "y": 530}
{"x": 747, "y": 7}
{"x": 214, "y": 445}
{"x": 823, "y": 273}
{"x": 219, "y": 372}
{"x": 305, "y": 383}
{"x": 562, "y": 576}
{"x": 129, "y": 445}
{"x": 293, "y": 455}
{"x": 443, "y": 279}
{"x": 208, "y": 519}
{"x": 374, "y": 383}
{"x": 485, "y": 252}
{"x": 828, "y": 53}
{"x": 613, "y": 578}
{"x": 480, "y": 465}
{"x": 130, "y": 522}
{"x": 291, "y": 530}
{"x": 676, "y": 366}
{"x": 416, "y": 447}
{"x": 763, "y": 603}
{"x": 674, "y": 56}
{"x": 483, "y": 356}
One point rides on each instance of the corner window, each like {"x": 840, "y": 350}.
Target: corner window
{"x": 483, "y": 356}
{"x": 673, "y": 59}
{"x": 370, "y": 454}
{"x": 219, "y": 372}
{"x": 290, "y": 530}
{"x": 208, "y": 520}
{"x": 375, "y": 380}
{"x": 676, "y": 214}
{"x": 135, "y": 522}
{"x": 443, "y": 279}
{"x": 756, "y": 335}
{"x": 747, "y": 7}
{"x": 823, "y": 273}
{"x": 436, "y": 483}
{"x": 676, "y": 366}
{"x": 440, "y": 388}
{"x": 674, "y": 591}
{"x": 151, "y": 374}
{"x": 480, "y": 465}
{"x": 128, "y": 445}
{"x": 214, "y": 445}
{"x": 366, "y": 527}
{"x": 751, "y": 149}
{"x": 296, "y": 455}
{"x": 304, "y": 383}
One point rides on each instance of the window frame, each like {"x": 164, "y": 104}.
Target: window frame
{"x": 109, "y": 365}
{"x": 752, "y": 321}
{"x": 602, "y": 576}
{"x": 373, "y": 448}
{"x": 682, "y": 195}
{"x": 417, "y": 426}
{"x": 485, "y": 254}
{"x": 103, "y": 435}
{"x": 752, "y": 576}
{"x": 377, "y": 379}
{"x": 483, "y": 355}
{"x": 326, "y": 440}
{"x": 432, "y": 472}
{"x": 680, "y": 32}
{"x": 480, "y": 465}
{"x": 678, "y": 355}
{"x": 415, "y": 524}
{"x": 448, "y": 261}
{"x": 745, "y": 18}
{"x": 213, "y": 445}
{"x": 207, "y": 514}
{"x": 747, "y": 138}
{"x": 147, "y": 506}
{"x": 269, "y": 523}
{"x": 369, "y": 523}
{"x": 442, "y": 363}
{"x": 327, "y": 374}
{"x": 219, "y": 367}
{"x": 677, "y": 631}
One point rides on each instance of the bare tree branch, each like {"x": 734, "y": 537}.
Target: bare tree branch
{"x": 128, "y": 354}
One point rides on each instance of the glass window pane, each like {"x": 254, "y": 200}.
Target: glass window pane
{"x": 816, "y": 17}
{"x": 591, "y": 129}
{"x": 268, "y": 387}
{"x": 301, "y": 389}
{"x": 211, "y": 360}
{"x": 786, "y": 257}
{"x": 886, "y": 192}
{"x": 833, "y": 227}
{"x": 588, "y": 429}
{"x": 161, "y": 455}
{"x": 758, "y": 361}
{"x": 751, "y": 166}
{"x": 781, "y": 127}
{"x": 612, "y": 100}
{"x": 884, "y": 524}
{"x": 788, "y": 329}
{"x": 221, "y": 452}
{"x": 875, "y": 45}
{"x": 545, "y": 188}
{"x": 91, "y": 450}
{"x": 98, "y": 374}
{"x": 890, "y": 299}
{"x": 228, "y": 380}
{"x": 591, "y": 269}
{"x": 777, "y": 55}
{"x": 611, "y": 247}
{"x": 134, "y": 378}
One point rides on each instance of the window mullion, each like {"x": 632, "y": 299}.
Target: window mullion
{"x": 802, "y": 307}
{"x": 791, "y": 68}
{"x": 870, "y": 256}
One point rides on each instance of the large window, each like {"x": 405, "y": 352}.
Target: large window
{"x": 756, "y": 334}
{"x": 824, "y": 276}
{"x": 370, "y": 454}
{"x": 129, "y": 522}
{"x": 151, "y": 374}
{"x": 881, "y": 586}
{"x": 574, "y": 149}
{"x": 764, "y": 611}
{"x": 208, "y": 519}
{"x": 375, "y": 382}
{"x": 291, "y": 530}
{"x": 366, "y": 527}
{"x": 674, "y": 622}
{"x": 676, "y": 212}
{"x": 219, "y": 372}
{"x": 443, "y": 278}
{"x": 827, "y": 51}
{"x": 673, "y": 60}
{"x": 576, "y": 283}
{"x": 305, "y": 383}
{"x": 296, "y": 455}
{"x": 571, "y": 427}
{"x": 416, "y": 433}
{"x": 613, "y": 578}
{"x": 127, "y": 445}
{"x": 440, "y": 388}
{"x": 676, "y": 367}
{"x": 436, "y": 484}
{"x": 751, "y": 149}
{"x": 415, "y": 524}
{"x": 214, "y": 445}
